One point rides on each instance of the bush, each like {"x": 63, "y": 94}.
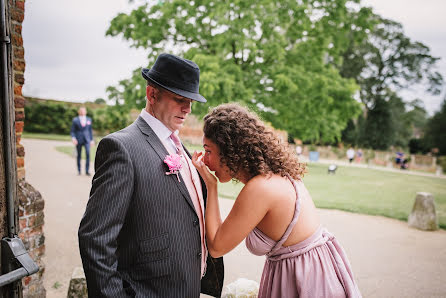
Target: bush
{"x": 418, "y": 146}
{"x": 369, "y": 154}
{"x": 441, "y": 161}
{"x": 49, "y": 117}
{"x": 53, "y": 117}
{"x": 340, "y": 153}
{"x": 110, "y": 118}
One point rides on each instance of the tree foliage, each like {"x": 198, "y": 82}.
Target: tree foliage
{"x": 49, "y": 117}
{"x": 435, "y": 135}
{"x": 389, "y": 61}
{"x": 406, "y": 122}
{"x": 384, "y": 64}
{"x": 110, "y": 118}
{"x": 46, "y": 116}
{"x": 278, "y": 57}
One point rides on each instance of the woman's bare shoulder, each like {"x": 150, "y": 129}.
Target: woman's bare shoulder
{"x": 265, "y": 186}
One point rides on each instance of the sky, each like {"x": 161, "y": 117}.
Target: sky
{"x": 68, "y": 57}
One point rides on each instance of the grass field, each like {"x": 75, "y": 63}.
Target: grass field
{"x": 366, "y": 191}
{"x": 71, "y": 150}
{"x": 373, "y": 192}
{"x": 44, "y": 136}
{"x": 354, "y": 189}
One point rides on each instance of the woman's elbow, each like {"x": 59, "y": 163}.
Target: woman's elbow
{"x": 215, "y": 253}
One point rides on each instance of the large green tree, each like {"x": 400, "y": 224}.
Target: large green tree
{"x": 384, "y": 64}
{"x": 406, "y": 120}
{"x": 278, "y": 57}
{"x": 435, "y": 136}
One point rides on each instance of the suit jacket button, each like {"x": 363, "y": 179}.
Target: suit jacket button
{"x": 199, "y": 255}
{"x": 195, "y": 222}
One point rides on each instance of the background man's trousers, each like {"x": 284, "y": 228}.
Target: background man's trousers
{"x": 79, "y": 155}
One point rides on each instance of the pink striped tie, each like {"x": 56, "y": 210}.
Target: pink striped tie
{"x": 194, "y": 190}
{"x": 177, "y": 143}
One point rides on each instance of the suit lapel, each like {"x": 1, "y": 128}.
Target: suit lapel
{"x": 161, "y": 151}
{"x": 78, "y": 121}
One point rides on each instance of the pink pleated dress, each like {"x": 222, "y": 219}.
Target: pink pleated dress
{"x": 315, "y": 267}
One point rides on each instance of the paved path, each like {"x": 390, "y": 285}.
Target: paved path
{"x": 388, "y": 258}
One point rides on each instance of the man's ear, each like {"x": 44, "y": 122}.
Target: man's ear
{"x": 151, "y": 94}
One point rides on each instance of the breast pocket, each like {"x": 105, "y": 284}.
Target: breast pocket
{"x": 153, "y": 258}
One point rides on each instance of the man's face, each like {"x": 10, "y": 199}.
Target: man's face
{"x": 169, "y": 108}
{"x": 82, "y": 112}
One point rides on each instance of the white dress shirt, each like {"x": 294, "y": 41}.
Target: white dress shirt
{"x": 83, "y": 120}
{"x": 161, "y": 131}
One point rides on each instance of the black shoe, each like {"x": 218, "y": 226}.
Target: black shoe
{"x": 79, "y": 173}
{"x": 88, "y": 174}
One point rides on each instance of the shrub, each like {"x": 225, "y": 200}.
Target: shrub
{"x": 55, "y": 117}
{"x": 49, "y": 117}
{"x": 441, "y": 161}
{"x": 110, "y": 118}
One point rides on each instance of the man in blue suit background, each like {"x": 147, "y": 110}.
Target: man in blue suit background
{"x": 82, "y": 135}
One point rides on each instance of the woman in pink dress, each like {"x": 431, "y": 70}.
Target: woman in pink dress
{"x": 274, "y": 212}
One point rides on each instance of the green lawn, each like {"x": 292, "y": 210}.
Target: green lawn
{"x": 365, "y": 191}
{"x": 373, "y": 192}
{"x": 52, "y": 137}
{"x": 44, "y": 136}
{"x": 353, "y": 189}
{"x": 71, "y": 150}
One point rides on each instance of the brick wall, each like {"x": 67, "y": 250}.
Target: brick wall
{"x": 31, "y": 222}
{"x": 17, "y": 9}
{"x": 31, "y": 204}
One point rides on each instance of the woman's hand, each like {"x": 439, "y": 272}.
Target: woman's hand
{"x": 208, "y": 177}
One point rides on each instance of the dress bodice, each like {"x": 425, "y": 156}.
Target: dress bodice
{"x": 315, "y": 267}
{"x": 258, "y": 243}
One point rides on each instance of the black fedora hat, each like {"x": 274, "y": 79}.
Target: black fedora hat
{"x": 178, "y": 75}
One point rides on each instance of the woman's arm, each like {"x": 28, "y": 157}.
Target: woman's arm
{"x": 212, "y": 212}
{"x": 249, "y": 209}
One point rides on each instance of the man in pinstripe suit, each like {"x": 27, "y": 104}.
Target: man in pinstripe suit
{"x": 142, "y": 234}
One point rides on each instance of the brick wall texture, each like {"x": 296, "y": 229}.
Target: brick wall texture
{"x": 31, "y": 219}
{"x": 31, "y": 204}
{"x": 17, "y": 11}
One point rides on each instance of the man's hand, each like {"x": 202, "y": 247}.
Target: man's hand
{"x": 92, "y": 143}
{"x": 74, "y": 140}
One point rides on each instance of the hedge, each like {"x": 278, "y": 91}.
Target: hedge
{"x": 55, "y": 117}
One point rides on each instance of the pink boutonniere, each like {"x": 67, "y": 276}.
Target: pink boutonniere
{"x": 173, "y": 161}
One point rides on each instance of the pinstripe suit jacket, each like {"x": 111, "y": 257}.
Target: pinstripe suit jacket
{"x": 139, "y": 236}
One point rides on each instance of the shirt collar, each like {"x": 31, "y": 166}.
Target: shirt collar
{"x": 161, "y": 131}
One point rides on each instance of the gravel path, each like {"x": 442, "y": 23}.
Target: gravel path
{"x": 388, "y": 258}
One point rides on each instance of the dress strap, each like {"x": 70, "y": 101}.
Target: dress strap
{"x": 293, "y": 222}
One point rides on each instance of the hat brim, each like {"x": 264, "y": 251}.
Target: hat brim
{"x": 184, "y": 93}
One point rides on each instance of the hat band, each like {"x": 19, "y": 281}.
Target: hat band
{"x": 187, "y": 86}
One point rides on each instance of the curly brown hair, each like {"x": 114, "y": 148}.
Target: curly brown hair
{"x": 246, "y": 144}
